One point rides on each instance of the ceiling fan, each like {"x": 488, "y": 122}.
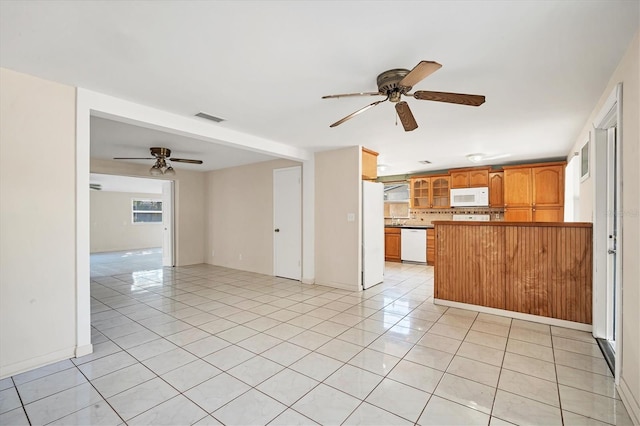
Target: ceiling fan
{"x": 160, "y": 167}
{"x": 398, "y": 82}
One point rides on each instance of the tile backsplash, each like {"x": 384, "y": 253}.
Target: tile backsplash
{"x": 425, "y": 217}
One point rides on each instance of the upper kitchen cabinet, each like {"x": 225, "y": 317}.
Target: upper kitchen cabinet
{"x": 534, "y": 192}
{"x": 469, "y": 178}
{"x": 496, "y": 189}
{"x": 440, "y": 197}
{"x": 369, "y": 164}
{"x": 420, "y": 193}
{"x": 430, "y": 192}
{"x": 517, "y": 187}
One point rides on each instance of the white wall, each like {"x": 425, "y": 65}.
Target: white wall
{"x": 111, "y": 223}
{"x": 628, "y": 73}
{"x": 337, "y": 191}
{"x": 240, "y": 216}
{"x": 37, "y": 222}
{"x": 190, "y": 206}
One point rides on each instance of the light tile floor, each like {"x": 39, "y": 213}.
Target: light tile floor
{"x": 210, "y": 345}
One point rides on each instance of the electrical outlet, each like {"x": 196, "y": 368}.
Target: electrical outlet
{"x": 240, "y": 256}
{"x": 213, "y": 253}
{"x": 351, "y": 217}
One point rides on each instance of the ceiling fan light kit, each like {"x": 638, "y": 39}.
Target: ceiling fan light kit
{"x": 161, "y": 167}
{"x": 398, "y": 82}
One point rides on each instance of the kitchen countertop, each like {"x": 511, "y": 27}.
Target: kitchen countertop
{"x": 410, "y": 226}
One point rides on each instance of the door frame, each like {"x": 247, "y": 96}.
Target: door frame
{"x": 609, "y": 116}
{"x": 170, "y": 245}
{"x": 275, "y": 252}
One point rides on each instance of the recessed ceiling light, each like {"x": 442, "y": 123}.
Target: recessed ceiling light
{"x": 475, "y": 158}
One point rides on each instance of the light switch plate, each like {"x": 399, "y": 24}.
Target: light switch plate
{"x": 351, "y": 217}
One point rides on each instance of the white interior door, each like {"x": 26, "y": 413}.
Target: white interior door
{"x": 287, "y": 222}
{"x": 607, "y": 232}
{"x": 612, "y": 237}
{"x": 168, "y": 258}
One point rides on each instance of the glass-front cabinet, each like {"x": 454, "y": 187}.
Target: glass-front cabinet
{"x": 430, "y": 192}
{"x": 440, "y": 192}
{"x": 420, "y": 193}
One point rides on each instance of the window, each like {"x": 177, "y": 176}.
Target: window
{"x": 146, "y": 211}
{"x": 396, "y": 200}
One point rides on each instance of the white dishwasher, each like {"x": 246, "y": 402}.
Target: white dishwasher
{"x": 413, "y": 245}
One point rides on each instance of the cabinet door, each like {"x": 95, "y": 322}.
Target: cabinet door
{"x": 518, "y": 214}
{"x": 459, "y": 179}
{"x": 496, "y": 189}
{"x": 517, "y": 187}
{"x": 369, "y": 164}
{"x": 440, "y": 192}
{"x": 548, "y": 186}
{"x": 548, "y": 214}
{"x": 392, "y": 246}
{"x": 420, "y": 193}
{"x": 478, "y": 178}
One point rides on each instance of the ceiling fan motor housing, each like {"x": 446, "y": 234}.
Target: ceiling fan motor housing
{"x": 160, "y": 152}
{"x": 388, "y": 84}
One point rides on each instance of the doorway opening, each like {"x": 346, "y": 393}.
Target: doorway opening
{"x": 607, "y": 231}
{"x": 131, "y": 224}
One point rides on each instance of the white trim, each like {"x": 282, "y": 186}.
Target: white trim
{"x": 83, "y": 259}
{"x": 308, "y": 222}
{"x": 608, "y": 108}
{"x": 516, "y": 315}
{"x": 610, "y": 115}
{"x": 83, "y": 350}
{"x": 31, "y": 363}
{"x": 630, "y": 403}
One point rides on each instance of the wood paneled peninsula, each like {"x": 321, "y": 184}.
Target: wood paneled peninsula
{"x": 537, "y": 268}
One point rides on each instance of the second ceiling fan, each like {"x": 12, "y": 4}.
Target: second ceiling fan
{"x": 398, "y": 82}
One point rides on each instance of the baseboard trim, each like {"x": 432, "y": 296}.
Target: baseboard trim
{"x": 630, "y": 403}
{"x": 308, "y": 280}
{"x": 517, "y": 315}
{"x": 84, "y": 350}
{"x": 37, "y": 362}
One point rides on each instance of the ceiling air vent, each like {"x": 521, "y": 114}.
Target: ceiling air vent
{"x": 424, "y": 162}
{"x": 209, "y": 117}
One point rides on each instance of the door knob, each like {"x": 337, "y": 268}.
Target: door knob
{"x": 610, "y": 251}
{"x": 276, "y": 230}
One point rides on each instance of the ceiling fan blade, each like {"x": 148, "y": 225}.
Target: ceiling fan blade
{"x": 361, "y": 110}
{"x": 134, "y": 158}
{"x": 452, "y": 98}
{"x": 419, "y": 72}
{"x": 344, "y": 95}
{"x": 406, "y": 116}
{"x": 183, "y": 160}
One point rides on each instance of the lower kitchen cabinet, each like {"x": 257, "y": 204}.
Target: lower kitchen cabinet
{"x": 392, "y": 244}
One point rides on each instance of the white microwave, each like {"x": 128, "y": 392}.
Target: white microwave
{"x": 470, "y": 197}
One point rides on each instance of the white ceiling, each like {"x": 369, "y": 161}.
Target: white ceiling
{"x": 112, "y": 183}
{"x": 264, "y": 65}
{"x": 115, "y": 139}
